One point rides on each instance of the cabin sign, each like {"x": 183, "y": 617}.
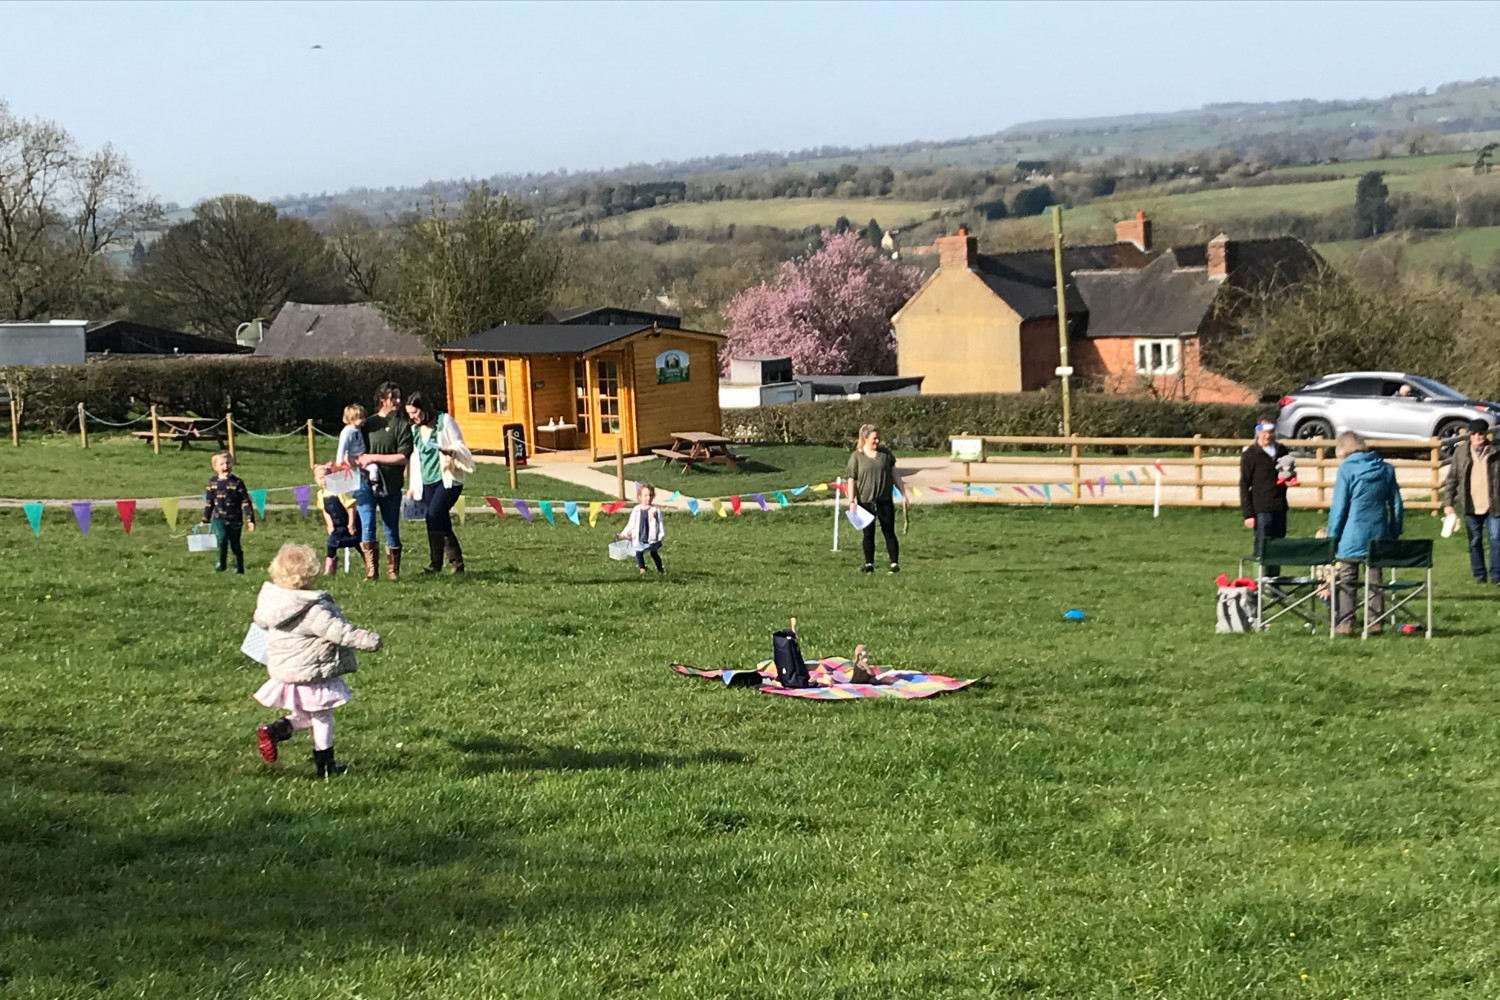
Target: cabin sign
{"x": 671, "y": 366}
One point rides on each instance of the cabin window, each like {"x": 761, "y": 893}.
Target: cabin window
{"x": 581, "y": 397}
{"x": 1156, "y": 357}
{"x": 607, "y": 380}
{"x": 485, "y": 378}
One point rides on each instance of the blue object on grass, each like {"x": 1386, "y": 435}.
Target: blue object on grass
{"x": 1073, "y": 615}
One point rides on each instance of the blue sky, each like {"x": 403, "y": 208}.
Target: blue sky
{"x": 207, "y": 98}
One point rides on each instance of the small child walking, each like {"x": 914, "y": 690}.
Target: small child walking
{"x": 227, "y": 508}
{"x": 644, "y": 527}
{"x": 309, "y": 647}
{"x": 339, "y": 517}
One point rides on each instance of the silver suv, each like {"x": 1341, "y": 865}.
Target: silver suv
{"x": 1380, "y": 405}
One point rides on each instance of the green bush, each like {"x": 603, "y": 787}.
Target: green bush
{"x": 268, "y": 394}
{"x": 926, "y": 422}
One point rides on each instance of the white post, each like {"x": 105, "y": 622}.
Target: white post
{"x": 1156, "y": 508}
{"x": 838, "y": 501}
{"x": 346, "y": 559}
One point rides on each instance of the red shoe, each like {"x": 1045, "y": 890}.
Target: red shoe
{"x": 267, "y": 736}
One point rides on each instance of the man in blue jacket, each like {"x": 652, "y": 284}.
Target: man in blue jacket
{"x": 1366, "y": 506}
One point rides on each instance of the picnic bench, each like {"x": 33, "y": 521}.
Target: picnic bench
{"x": 690, "y": 448}
{"x": 186, "y": 430}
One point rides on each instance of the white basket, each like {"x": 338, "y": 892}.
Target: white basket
{"x": 341, "y": 481}
{"x": 622, "y": 550}
{"x": 202, "y": 541}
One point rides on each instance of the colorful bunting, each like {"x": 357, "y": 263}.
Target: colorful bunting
{"x": 820, "y": 488}
{"x": 799, "y": 491}
{"x": 987, "y": 491}
{"x": 1035, "y": 490}
{"x": 781, "y": 499}
{"x": 1133, "y": 481}
{"x": 760, "y": 499}
{"x": 1047, "y": 491}
{"x": 83, "y": 512}
{"x": 734, "y": 504}
{"x": 169, "y": 510}
{"x": 546, "y": 506}
{"x": 34, "y": 516}
{"x": 692, "y": 506}
{"x": 914, "y": 491}
{"x": 127, "y": 513}
{"x": 1118, "y": 481}
{"x": 594, "y": 508}
{"x": 674, "y": 496}
{"x": 613, "y": 506}
{"x": 1065, "y": 488}
{"x": 494, "y": 502}
{"x": 523, "y": 510}
{"x": 570, "y": 508}
{"x": 718, "y": 506}
{"x": 258, "y": 498}
{"x": 1090, "y": 484}
{"x": 303, "y": 494}
{"x": 1021, "y": 491}
{"x": 1101, "y": 486}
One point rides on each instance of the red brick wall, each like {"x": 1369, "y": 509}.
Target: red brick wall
{"x": 1111, "y": 360}
{"x": 1039, "y": 353}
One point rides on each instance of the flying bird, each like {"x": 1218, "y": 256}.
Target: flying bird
{"x": 317, "y": 46}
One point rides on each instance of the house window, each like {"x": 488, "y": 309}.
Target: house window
{"x": 607, "y": 378}
{"x": 1156, "y": 357}
{"x": 485, "y": 378}
{"x": 581, "y": 397}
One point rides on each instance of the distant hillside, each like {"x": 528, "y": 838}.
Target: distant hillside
{"x": 1280, "y": 133}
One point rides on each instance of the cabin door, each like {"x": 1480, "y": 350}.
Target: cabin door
{"x": 583, "y": 413}
{"x": 605, "y": 423}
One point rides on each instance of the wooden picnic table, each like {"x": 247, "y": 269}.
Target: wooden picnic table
{"x": 186, "y": 430}
{"x": 690, "y": 448}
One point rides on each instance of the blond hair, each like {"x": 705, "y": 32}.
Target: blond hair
{"x": 865, "y": 431}
{"x": 294, "y": 567}
{"x": 1347, "y": 444}
{"x": 353, "y": 413}
{"x": 226, "y": 456}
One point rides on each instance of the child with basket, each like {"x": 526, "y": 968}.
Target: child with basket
{"x": 644, "y": 528}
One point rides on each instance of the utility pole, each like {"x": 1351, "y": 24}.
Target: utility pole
{"x": 1064, "y": 370}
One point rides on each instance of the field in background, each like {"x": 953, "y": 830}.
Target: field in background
{"x": 782, "y": 213}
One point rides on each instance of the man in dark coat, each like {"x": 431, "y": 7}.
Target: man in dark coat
{"x": 1477, "y": 497}
{"x": 1263, "y": 488}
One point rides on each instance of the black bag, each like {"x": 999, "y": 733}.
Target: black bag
{"x": 791, "y": 672}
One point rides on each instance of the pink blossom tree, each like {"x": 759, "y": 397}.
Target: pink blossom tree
{"x": 830, "y": 310}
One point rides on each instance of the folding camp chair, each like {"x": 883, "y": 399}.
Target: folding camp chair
{"x": 1393, "y": 554}
{"x": 1294, "y": 595}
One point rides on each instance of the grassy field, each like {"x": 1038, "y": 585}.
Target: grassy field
{"x": 783, "y": 213}
{"x": 1479, "y": 245}
{"x": 538, "y": 808}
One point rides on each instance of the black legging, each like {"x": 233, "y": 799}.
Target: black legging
{"x": 885, "y": 516}
{"x": 440, "y": 500}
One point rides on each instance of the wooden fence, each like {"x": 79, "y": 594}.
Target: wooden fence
{"x": 1202, "y": 480}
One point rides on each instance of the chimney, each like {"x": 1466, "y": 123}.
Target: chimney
{"x": 1136, "y": 230}
{"x": 1218, "y": 256}
{"x": 957, "y": 251}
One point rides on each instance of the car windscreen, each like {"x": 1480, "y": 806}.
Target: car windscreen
{"x": 1432, "y": 388}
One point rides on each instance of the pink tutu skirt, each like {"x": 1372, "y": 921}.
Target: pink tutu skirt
{"x": 319, "y": 697}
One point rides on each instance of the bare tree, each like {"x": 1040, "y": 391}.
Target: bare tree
{"x": 61, "y": 210}
{"x": 362, "y": 249}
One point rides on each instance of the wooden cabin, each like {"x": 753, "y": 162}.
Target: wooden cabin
{"x": 634, "y": 383}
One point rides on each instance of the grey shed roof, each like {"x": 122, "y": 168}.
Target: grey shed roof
{"x": 336, "y": 331}
{"x": 557, "y": 338}
{"x": 1159, "y": 300}
{"x": 1025, "y": 279}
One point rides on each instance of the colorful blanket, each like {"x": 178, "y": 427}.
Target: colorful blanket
{"x": 830, "y": 679}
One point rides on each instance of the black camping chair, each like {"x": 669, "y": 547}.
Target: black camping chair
{"x": 1285, "y": 594}
{"x": 1393, "y": 554}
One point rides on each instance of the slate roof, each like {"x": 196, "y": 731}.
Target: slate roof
{"x": 1158, "y": 300}
{"x": 608, "y": 315}
{"x": 356, "y": 330}
{"x": 1025, "y": 278}
{"x": 124, "y": 337}
{"x": 848, "y": 385}
{"x": 1260, "y": 264}
{"x": 555, "y": 338}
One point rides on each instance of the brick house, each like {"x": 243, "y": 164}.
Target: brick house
{"x": 1138, "y": 319}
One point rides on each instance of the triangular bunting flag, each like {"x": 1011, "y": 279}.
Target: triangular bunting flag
{"x": 780, "y": 498}
{"x": 1019, "y": 490}
{"x": 1035, "y": 490}
{"x": 33, "y": 516}
{"x": 820, "y": 488}
{"x": 799, "y": 491}
{"x": 127, "y": 513}
{"x": 570, "y": 508}
{"x": 303, "y": 494}
{"x": 914, "y": 491}
{"x": 523, "y": 510}
{"x": 734, "y": 505}
{"x": 1090, "y": 484}
{"x": 1101, "y": 486}
{"x": 83, "y": 512}
{"x": 760, "y": 499}
{"x": 1118, "y": 481}
{"x": 1159, "y": 470}
{"x": 463, "y": 509}
{"x": 674, "y": 496}
{"x": 718, "y": 507}
{"x": 546, "y": 508}
{"x": 594, "y": 509}
{"x": 987, "y": 491}
{"x": 258, "y": 498}
{"x": 613, "y": 506}
{"x": 1133, "y": 481}
{"x": 494, "y": 502}
{"x": 1047, "y": 492}
{"x": 1065, "y": 488}
{"x": 169, "y": 510}
{"x": 692, "y": 506}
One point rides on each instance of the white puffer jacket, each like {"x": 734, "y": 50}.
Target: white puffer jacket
{"x": 307, "y": 639}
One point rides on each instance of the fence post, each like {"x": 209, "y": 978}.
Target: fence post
{"x": 229, "y": 430}
{"x": 1076, "y": 491}
{"x": 83, "y": 430}
{"x": 15, "y": 425}
{"x": 620, "y": 467}
{"x": 1437, "y": 486}
{"x": 312, "y": 459}
{"x": 1321, "y": 453}
{"x": 1198, "y": 465}
{"x": 510, "y": 460}
{"x": 155, "y": 432}
{"x": 966, "y": 479}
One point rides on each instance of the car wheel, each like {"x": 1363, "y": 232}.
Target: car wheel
{"x": 1311, "y": 429}
{"x": 1449, "y": 434}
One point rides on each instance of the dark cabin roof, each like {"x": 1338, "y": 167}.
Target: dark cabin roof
{"x": 1258, "y": 265}
{"x": 608, "y": 316}
{"x": 556, "y": 338}
{"x": 1025, "y": 279}
{"x": 849, "y": 385}
{"x": 356, "y": 330}
{"x": 1158, "y": 300}
{"x": 125, "y": 337}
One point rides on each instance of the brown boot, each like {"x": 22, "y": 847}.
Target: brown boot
{"x": 393, "y": 564}
{"x": 435, "y": 541}
{"x": 367, "y": 552}
{"x": 454, "y": 553}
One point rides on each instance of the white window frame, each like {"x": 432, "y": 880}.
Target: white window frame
{"x": 1170, "y": 349}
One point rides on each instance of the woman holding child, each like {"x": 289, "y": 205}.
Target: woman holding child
{"x": 439, "y": 462}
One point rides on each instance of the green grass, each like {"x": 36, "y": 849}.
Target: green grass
{"x": 1480, "y": 246}
{"x": 537, "y": 808}
{"x": 782, "y": 213}
{"x": 55, "y": 467}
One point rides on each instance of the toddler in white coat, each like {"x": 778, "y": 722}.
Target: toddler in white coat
{"x": 644, "y": 527}
{"x": 309, "y": 649}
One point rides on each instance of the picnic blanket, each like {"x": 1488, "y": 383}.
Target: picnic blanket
{"x": 830, "y": 678}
